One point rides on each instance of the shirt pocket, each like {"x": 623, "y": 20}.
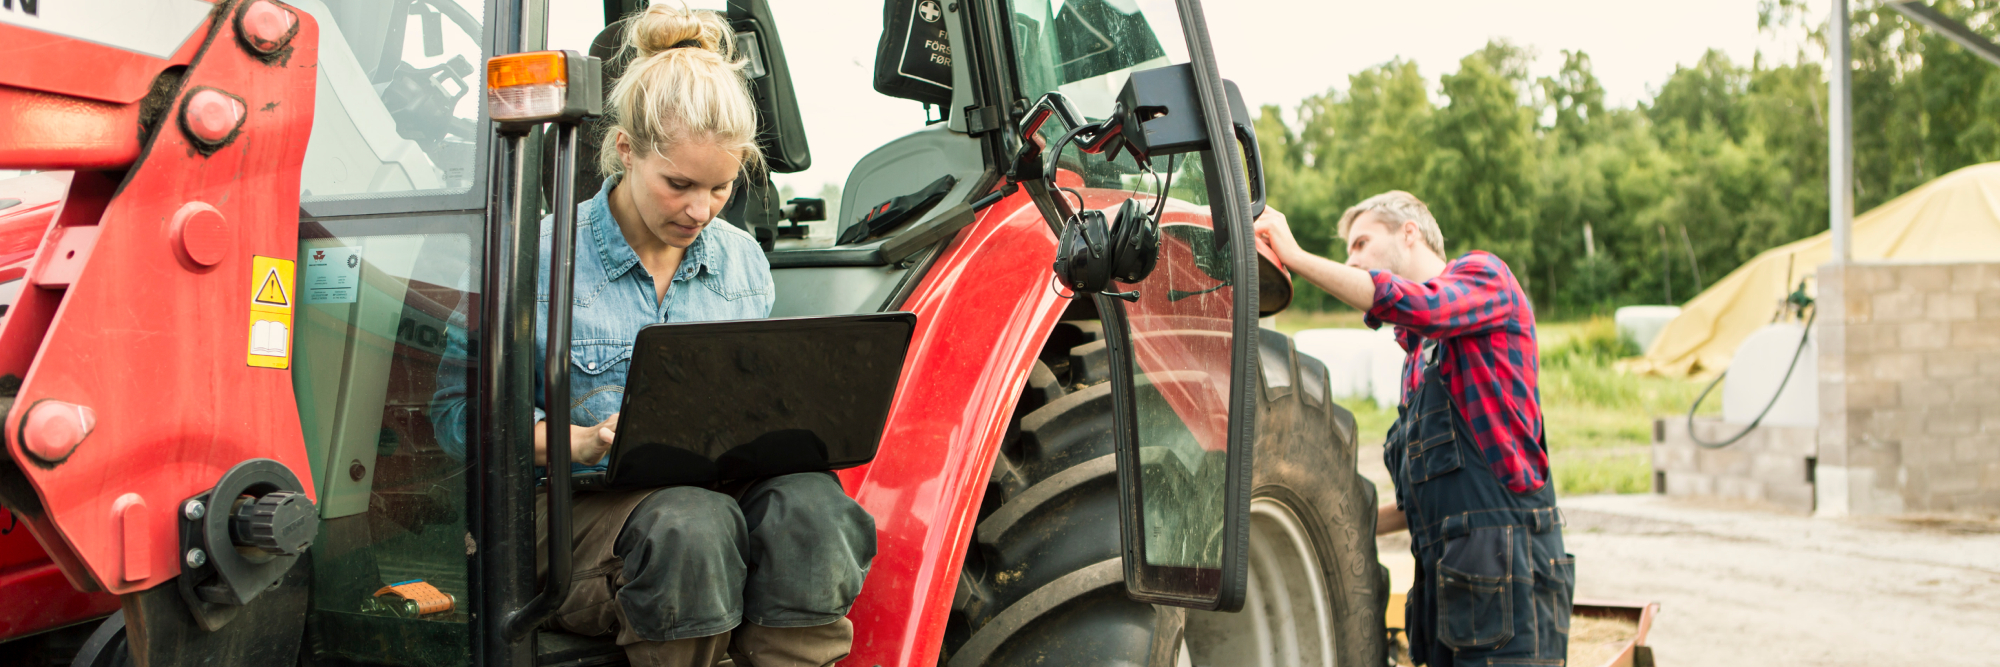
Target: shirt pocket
{"x": 597, "y": 379}
{"x": 738, "y": 283}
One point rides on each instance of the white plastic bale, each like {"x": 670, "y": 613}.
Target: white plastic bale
{"x": 1360, "y": 363}
{"x": 1642, "y": 324}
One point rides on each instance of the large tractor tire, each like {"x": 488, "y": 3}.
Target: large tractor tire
{"x": 1043, "y": 583}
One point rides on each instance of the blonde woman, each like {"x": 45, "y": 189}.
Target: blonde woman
{"x": 762, "y": 571}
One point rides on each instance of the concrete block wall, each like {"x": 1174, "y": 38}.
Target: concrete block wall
{"x": 1773, "y": 465}
{"x": 1909, "y": 368}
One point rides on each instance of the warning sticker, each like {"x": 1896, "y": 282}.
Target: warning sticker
{"x": 271, "y": 312}
{"x": 333, "y": 275}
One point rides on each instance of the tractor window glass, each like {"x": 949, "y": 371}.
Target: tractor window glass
{"x": 398, "y": 109}
{"x": 1180, "y": 319}
{"x": 1085, "y": 49}
{"x": 372, "y": 334}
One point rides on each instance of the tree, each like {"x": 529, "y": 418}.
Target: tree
{"x": 1480, "y": 176}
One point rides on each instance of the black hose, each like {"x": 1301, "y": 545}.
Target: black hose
{"x": 1803, "y": 339}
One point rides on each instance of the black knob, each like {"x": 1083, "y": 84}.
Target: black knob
{"x": 279, "y": 522}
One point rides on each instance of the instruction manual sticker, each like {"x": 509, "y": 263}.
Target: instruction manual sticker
{"x": 271, "y": 312}
{"x": 333, "y": 275}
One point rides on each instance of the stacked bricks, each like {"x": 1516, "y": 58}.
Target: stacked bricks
{"x": 1771, "y": 466}
{"x": 1909, "y": 368}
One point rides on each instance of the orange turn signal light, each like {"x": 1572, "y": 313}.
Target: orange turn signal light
{"x": 526, "y": 69}
{"x": 526, "y": 87}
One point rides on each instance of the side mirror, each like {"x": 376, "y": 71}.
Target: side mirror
{"x": 780, "y": 132}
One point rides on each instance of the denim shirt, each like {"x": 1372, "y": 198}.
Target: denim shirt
{"x": 722, "y": 276}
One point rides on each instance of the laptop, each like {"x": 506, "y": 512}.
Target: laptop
{"x": 710, "y": 402}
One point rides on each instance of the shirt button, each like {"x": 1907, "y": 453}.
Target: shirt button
{"x": 591, "y": 365}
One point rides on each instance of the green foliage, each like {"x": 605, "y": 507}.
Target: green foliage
{"x": 1726, "y": 160}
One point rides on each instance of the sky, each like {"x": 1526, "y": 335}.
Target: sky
{"x": 1277, "y": 51}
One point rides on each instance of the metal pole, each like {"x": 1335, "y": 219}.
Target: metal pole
{"x": 1840, "y": 134}
{"x": 555, "y": 391}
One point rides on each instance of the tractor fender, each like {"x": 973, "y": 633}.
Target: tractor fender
{"x": 983, "y": 312}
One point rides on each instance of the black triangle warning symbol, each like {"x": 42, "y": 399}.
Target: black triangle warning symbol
{"x": 271, "y": 292}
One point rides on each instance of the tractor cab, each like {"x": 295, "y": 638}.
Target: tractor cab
{"x": 931, "y": 156}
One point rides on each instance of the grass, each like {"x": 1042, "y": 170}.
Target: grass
{"x": 1599, "y": 420}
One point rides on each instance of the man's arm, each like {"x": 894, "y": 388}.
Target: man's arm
{"x": 1390, "y": 519}
{"x": 1468, "y": 298}
{"x": 1351, "y": 285}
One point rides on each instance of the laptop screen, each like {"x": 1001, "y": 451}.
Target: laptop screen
{"x": 713, "y": 401}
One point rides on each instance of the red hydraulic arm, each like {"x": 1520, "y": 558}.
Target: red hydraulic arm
{"x": 148, "y": 351}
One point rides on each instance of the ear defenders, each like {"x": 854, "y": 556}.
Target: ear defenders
{"x": 1092, "y": 252}
{"x": 1135, "y": 243}
{"x": 1083, "y": 254}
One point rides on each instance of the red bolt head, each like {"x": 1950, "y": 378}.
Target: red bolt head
{"x": 212, "y": 115}
{"x": 53, "y": 429}
{"x": 265, "y": 26}
{"x": 201, "y": 234}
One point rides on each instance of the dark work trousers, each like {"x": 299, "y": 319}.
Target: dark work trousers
{"x": 682, "y": 562}
{"x": 1493, "y": 583}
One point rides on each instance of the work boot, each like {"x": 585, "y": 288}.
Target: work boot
{"x": 817, "y": 646}
{"x": 693, "y": 652}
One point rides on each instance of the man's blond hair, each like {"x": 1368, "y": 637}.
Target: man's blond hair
{"x": 1394, "y": 207}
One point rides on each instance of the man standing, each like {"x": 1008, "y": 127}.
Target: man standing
{"x": 1466, "y": 452}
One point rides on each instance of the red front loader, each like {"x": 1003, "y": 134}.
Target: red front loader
{"x": 218, "y": 442}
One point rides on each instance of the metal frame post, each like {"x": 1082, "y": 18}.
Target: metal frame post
{"x": 1840, "y": 133}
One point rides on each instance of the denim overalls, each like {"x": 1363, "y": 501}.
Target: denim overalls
{"x": 1493, "y": 583}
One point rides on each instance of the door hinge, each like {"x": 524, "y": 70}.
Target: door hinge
{"x": 981, "y": 120}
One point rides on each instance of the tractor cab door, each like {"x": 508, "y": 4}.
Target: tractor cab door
{"x": 1183, "y": 337}
{"x": 389, "y": 288}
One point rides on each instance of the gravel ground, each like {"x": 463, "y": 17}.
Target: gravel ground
{"x": 1740, "y": 585}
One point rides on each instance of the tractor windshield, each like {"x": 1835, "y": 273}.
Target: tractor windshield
{"x": 397, "y": 111}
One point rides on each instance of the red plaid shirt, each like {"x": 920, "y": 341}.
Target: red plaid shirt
{"x": 1476, "y": 310}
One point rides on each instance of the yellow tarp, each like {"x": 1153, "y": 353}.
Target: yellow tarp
{"x": 1955, "y": 218}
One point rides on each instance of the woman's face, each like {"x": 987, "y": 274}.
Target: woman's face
{"x": 679, "y": 189}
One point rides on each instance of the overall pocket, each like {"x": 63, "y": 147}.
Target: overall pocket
{"x": 1475, "y": 596}
{"x": 1431, "y": 453}
{"x": 1555, "y": 584}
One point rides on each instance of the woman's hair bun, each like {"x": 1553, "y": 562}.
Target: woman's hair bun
{"x": 685, "y": 83}
{"x": 663, "y": 27}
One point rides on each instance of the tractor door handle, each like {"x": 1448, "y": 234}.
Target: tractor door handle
{"x": 555, "y": 393}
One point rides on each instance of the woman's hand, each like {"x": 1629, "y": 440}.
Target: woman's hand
{"x": 587, "y": 444}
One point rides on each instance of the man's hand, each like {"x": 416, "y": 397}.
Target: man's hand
{"x": 1276, "y": 230}
{"x": 1351, "y": 285}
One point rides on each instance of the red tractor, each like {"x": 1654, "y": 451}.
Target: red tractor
{"x": 247, "y": 224}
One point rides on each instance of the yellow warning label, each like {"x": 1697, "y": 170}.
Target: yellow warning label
{"x": 271, "y": 312}
{"x": 272, "y": 292}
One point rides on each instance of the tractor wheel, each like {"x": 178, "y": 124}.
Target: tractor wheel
{"x": 1043, "y": 583}
{"x": 106, "y": 646}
